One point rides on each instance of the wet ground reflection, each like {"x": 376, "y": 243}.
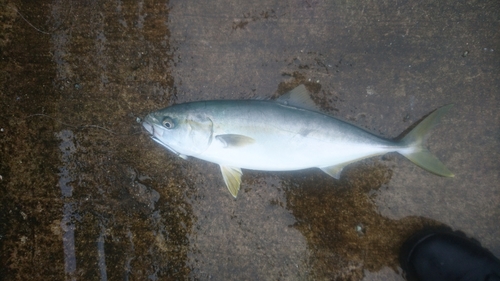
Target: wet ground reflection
{"x": 100, "y": 234}
{"x": 67, "y": 148}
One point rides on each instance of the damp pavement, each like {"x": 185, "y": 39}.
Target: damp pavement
{"x": 86, "y": 195}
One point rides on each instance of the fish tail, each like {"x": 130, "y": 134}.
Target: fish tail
{"x": 414, "y": 144}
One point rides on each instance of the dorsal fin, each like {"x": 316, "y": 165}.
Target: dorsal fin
{"x": 298, "y": 97}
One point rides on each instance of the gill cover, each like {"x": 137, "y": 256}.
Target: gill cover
{"x": 198, "y": 133}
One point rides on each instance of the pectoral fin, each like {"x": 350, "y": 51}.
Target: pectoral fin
{"x": 232, "y": 178}
{"x": 335, "y": 170}
{"x": 234, "y": 140}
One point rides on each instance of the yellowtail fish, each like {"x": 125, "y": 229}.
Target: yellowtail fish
{"x": 286, "y": 134}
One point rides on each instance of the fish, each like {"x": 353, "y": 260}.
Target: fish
{"x": 286, "y": 134}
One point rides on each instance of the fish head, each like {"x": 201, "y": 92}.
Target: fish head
{"x": 181, "y": 129}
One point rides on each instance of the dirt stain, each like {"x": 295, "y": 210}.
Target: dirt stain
{"x": 345, "y": 233}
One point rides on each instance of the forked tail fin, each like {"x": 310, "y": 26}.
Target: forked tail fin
{"x": 415, "y": 139}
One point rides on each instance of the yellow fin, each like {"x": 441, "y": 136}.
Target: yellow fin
{"x": 335, "y": 170}
{"x": 415, "y": 139}
{"x": 232, "y": 178}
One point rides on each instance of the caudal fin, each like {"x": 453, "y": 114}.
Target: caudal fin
{"x": 415, "y": 139}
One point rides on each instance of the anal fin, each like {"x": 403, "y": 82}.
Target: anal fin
{"x": 232, "y": 178}
{"x": 335, "y": 170}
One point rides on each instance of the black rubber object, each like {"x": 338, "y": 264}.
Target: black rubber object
{"x": 433, "y": 254}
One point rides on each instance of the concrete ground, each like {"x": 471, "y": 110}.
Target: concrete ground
{"x": 86, "y": 194}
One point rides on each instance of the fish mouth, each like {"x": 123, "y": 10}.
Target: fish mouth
{"x": 151, "y": 130}
{"x": 148, "y": 128}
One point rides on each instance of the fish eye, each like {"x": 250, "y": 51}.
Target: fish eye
{"x": 168, "y": 123}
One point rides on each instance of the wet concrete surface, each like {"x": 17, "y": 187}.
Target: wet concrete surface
{"x": 85, "y": 194}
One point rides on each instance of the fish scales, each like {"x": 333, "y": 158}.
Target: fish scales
{"x": 287, "y": 134}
